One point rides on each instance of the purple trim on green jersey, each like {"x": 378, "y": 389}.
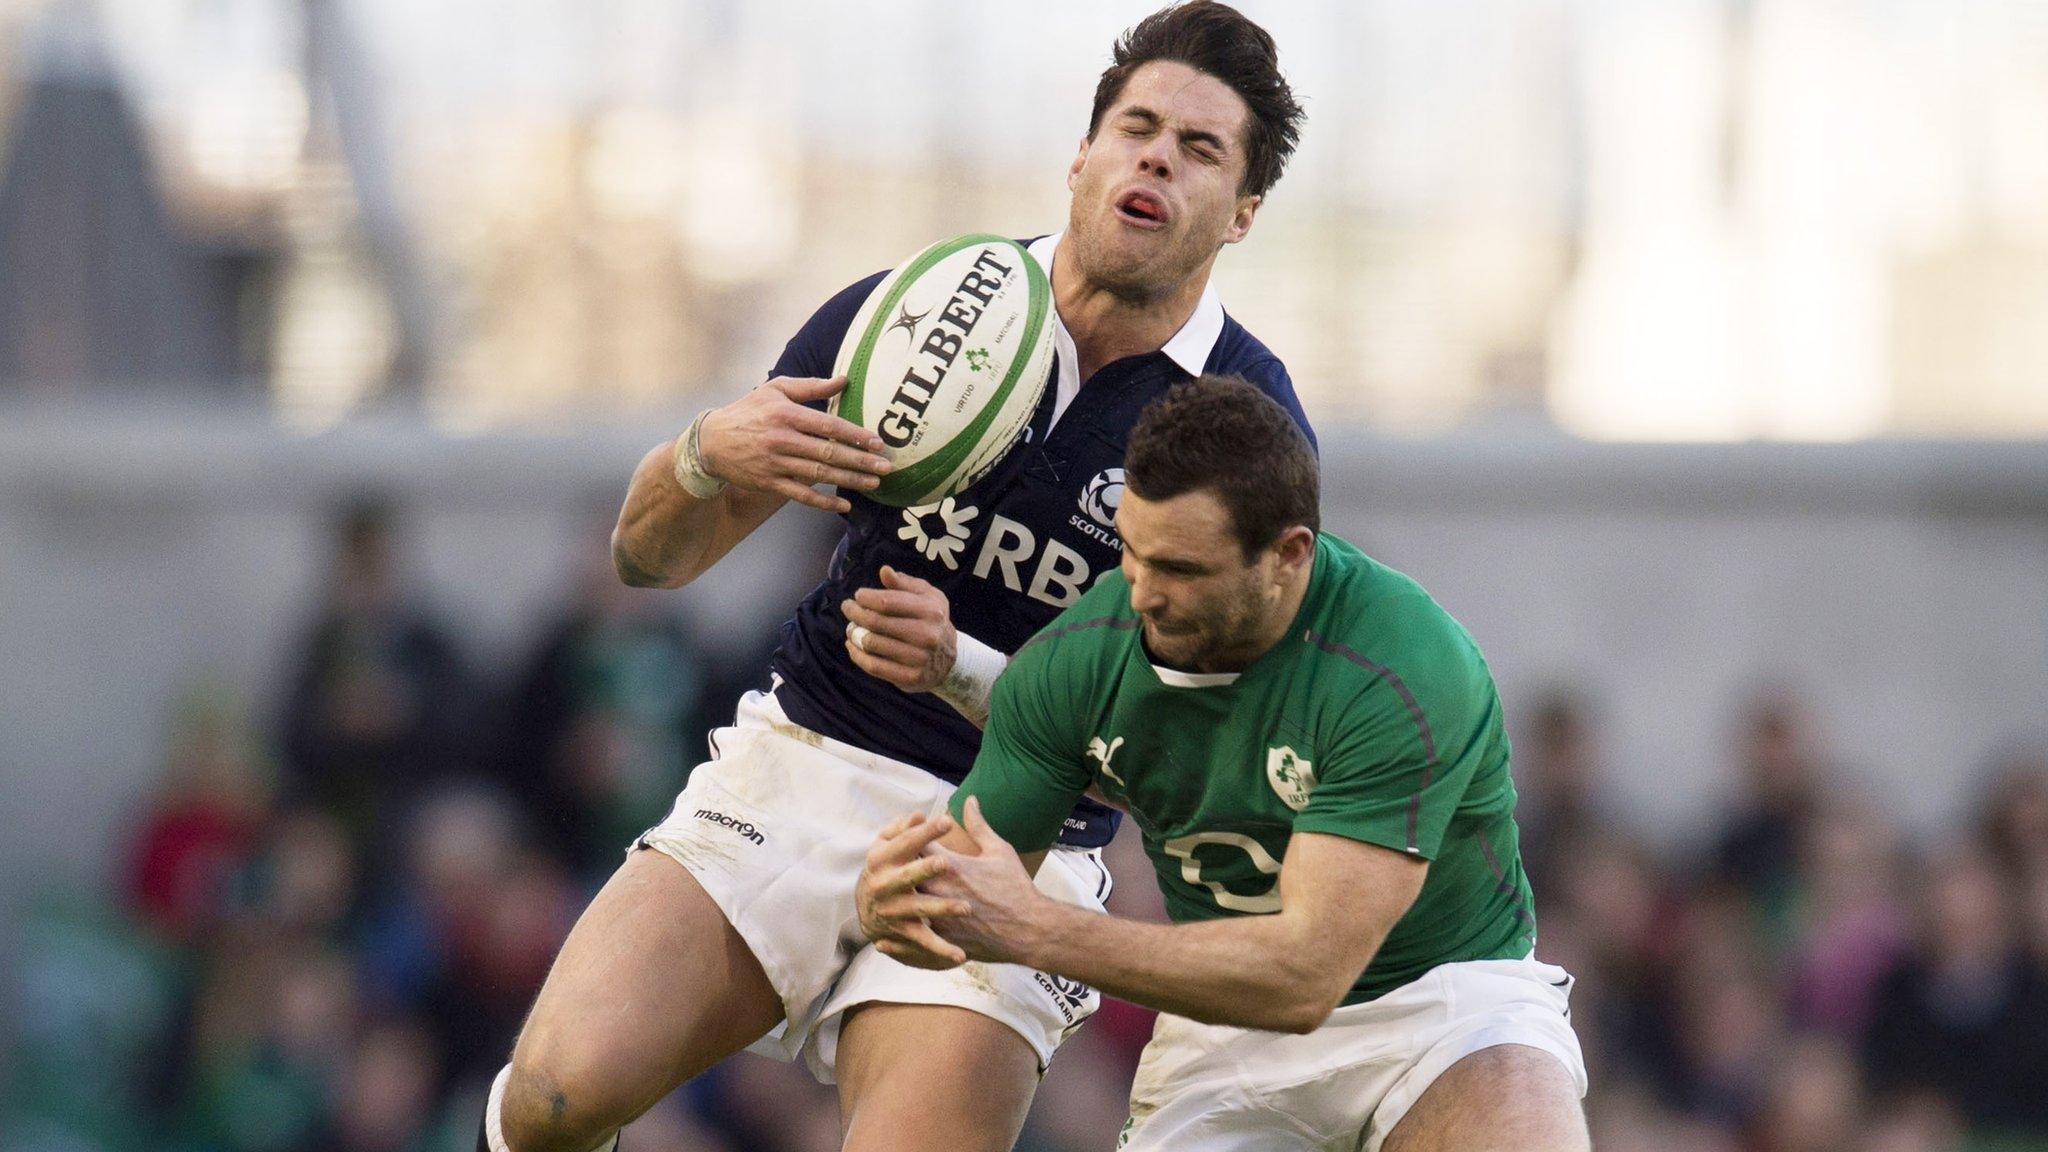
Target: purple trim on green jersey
{"x": 1124, "y": 623}
{"x": 1393, "y": 680}
{"x": 1503, "y": 885}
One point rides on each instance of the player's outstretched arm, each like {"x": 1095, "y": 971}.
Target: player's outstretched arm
{"x": 1284, "y": 972}
{"x": 761, "y": 450}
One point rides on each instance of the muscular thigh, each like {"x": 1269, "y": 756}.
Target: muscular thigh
{"x": 651, "y": 988}
{"x": 1509, "y": 1096}
{"x": 916, "y": 1077}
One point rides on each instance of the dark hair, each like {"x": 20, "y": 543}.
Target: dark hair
{"x": 1220, "y": 434}
{"x": 1219, "y": 40}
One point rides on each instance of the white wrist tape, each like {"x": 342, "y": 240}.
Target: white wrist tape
{"x": 967, "y": 687}
{"x": 690, "y": 471}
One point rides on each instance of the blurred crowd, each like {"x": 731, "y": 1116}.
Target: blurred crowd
{"x": 331, "y": 918}
{"x": 1813, "y": 981}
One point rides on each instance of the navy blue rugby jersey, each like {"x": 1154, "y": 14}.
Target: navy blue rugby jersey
{"x": 1009, "y": 551}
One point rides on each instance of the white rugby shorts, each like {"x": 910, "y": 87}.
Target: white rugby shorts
{"x": 1343, "y": 1087}
{"x": 776, "y": 826}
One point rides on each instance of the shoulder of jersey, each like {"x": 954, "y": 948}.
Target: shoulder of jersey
{"x": 1371, "y": 605}
{"x": 946, "y": 361}
{"x": 1394, "y": 624}
{"x": 1100, "y": 618}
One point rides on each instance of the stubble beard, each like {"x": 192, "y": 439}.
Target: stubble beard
{"x": 1154, "y": 277}
{"x": 1217, "y": 637}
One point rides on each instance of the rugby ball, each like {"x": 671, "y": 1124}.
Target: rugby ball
{"x": 946, "y": 361}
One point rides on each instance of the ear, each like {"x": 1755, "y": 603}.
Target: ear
{"x": 1241, "y": 223}
{"x": 1293, "y": 550}
{"x": 1080, "y": 158}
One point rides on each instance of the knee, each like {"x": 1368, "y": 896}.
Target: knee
{"x": 556, "y": 1105}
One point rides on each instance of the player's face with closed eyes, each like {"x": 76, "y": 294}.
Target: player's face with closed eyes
{"x": 1202, "y": 602}
{"x": 1156, "y": 188}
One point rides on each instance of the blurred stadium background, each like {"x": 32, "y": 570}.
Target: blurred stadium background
{"x": 1693, "y": 352}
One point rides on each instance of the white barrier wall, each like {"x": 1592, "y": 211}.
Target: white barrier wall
{"x": 1903, "y": 586}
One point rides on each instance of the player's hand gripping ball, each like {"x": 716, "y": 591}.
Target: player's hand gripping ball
{"x": 771, "y": 440}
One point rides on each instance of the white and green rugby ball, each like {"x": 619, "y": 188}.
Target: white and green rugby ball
{"x": 946, "y": 361}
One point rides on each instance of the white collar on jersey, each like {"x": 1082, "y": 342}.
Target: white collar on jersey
{"x": 1189, "y": 347}
{"x": 1175, "y": 678}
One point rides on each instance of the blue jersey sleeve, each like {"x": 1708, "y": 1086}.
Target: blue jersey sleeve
{"x": 810, "y": 353}
{"x": 1270, "y": 376}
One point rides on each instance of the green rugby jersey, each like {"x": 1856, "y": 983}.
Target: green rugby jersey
{"x": 1375, "y": 718}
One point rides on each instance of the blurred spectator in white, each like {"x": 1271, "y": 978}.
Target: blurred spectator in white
{"x": 203, "y": 827}
{"x": 379, "y": 700}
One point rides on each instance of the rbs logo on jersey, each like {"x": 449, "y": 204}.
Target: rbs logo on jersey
{"x": 1047, "y": 571}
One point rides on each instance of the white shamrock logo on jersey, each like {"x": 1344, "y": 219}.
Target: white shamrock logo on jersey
{"x": 1291, "y": 776}
{"x": 944, "y": 545}
{"x": 1102, "y": 753}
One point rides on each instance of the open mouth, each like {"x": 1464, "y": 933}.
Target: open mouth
{"x": 1141, "y": 208}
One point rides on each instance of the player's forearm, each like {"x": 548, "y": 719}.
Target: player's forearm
{"x": 968, "y": 686}
{"x": 1247, "y": 971}
{"x": 666, "y": 537}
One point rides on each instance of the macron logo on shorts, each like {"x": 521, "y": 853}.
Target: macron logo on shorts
{"x": 742, "y": 827}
